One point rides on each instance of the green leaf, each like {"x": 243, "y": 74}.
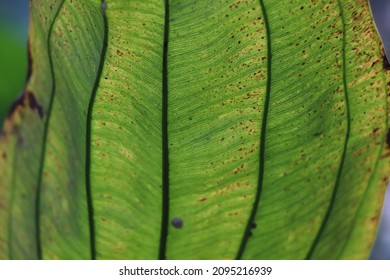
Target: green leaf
{"x": 197, "y": 130}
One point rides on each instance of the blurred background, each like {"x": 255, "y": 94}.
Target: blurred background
{"x": 13, "y": 67}
{"x": 13, "y": 51}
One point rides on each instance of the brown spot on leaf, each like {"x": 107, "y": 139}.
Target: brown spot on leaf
{"x": 203, "y": 199}
{"x": 388, "y": 139}
{"x": 386, "y": 64}
{"x": 19, "y": 102}
{"x": 4, "y": 155}
{"x": 20, "y": 141}
{"x": 233, "y": 213}
{"x": 27, "y": 98}
{"x": 33, "y": 103}
{"x": 385, "y": 155}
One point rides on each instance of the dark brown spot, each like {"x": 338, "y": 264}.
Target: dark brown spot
{"x": 374, "y": 219}
{"x": 19, "y": 102}
{"x": 375, "y": 129}
{"x": 33, "y": 103}
{"x": 203, "y": 199}
{"x": 388, "y": 139}
{"x": 27, "y": 98}
{"x": 233, "y": 214}
{"x": 386, "y": 64}
{"x": 253, "y": 225}
{"x": 4, "y": 155}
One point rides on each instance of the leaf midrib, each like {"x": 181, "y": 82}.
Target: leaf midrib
{"x": 165, "y": 156}
{"x": 89, "y": 136}
{"x": 256, "y": 203}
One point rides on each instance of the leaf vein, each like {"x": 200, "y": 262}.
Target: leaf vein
{"x": 256, "y": 203}
{"x": 89, "y": 135}
{"x": 165, "y": 156}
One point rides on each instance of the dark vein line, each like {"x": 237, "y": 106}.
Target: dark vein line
{"x": 251, "y": 219}
{"x": 165, "y": 158}
{"x": 348, "y": 114}
{"x": 45, "y": 130}
{"x": 29, "y": 63}
{"x": 89, "y": 136}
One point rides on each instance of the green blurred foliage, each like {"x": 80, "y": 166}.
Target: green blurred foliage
{"x": 13, "y": 65}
